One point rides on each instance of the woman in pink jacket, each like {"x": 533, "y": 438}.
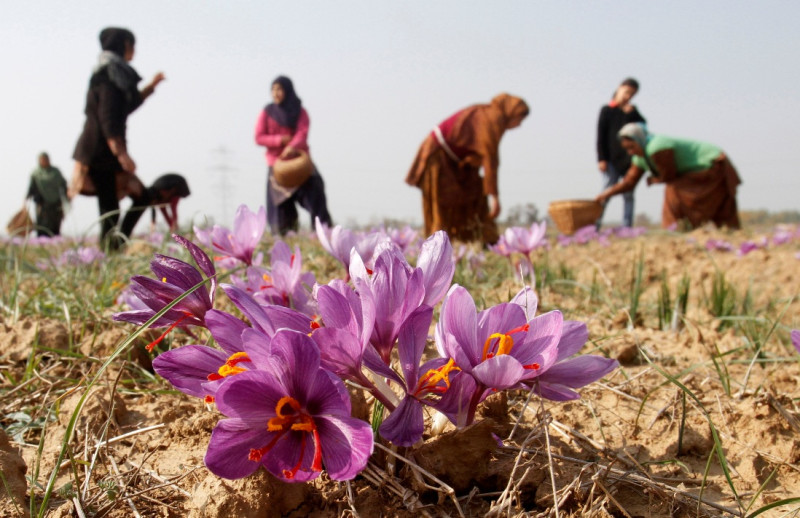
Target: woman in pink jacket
{"x": 282, "y": 128}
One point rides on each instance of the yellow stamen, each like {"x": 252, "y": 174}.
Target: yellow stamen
{"x": 504, "y": 345}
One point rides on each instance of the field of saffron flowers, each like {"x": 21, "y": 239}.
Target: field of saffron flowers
{"x": 224, "y": 372}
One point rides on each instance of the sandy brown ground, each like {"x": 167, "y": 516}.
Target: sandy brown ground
{"x": 636, "y": 444}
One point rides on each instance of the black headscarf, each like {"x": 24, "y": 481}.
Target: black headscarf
{"x": 113, "y": 39}
{"x": 288, "y": 111}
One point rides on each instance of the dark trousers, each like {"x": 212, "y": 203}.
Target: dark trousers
{"x": 311, "y": 196}
{"x": 105, "y": 182}
{"x": 48, "y": 219}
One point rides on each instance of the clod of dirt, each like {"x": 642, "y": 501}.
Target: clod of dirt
{"x": 629, "y": 355}
{"x": 17, "y": 341}
{"x": 459, "y": 458}
{"x": 495, "y": 407}
{"x": 14, "y": 490}
{"x": 258, "y": 496}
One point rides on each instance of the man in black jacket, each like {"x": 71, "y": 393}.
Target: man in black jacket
{"x": 612, "y": 160}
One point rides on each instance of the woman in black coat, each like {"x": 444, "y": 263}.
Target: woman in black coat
{"x": 102, "y": 149}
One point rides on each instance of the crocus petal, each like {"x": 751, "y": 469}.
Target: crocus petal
{"x": 796, "y": 339}
{"x": 291, "y": 448}
{"x": 174, "y": 271}
{"x": 499, "y": 372}
{"x": 340, "y": 351}
{"x": 335, "y": 310}
{"x": 579, "y": 371}
{"x": 556, "y": 392}
{"x": 281, "y": 253}
{"x": 203, "y": 261}
{"x": 501, "y": 318}
{"x": 541, "y": 342}
{"x": 141, "y": 316}
{"x": 188, "y": 367}
{"x": 412, "y": 338}
{"x": 346, "y": 445}
{"x": 373, "y": 361}
{"x": 300, "y": 361}
{"x": 251, "y": 309}
{"x": 288, "y": 318}
{"x": 455, "y": 401}
{"x": 528, "y": 300}
{"x": 458, "y": 322}
{"x": 226, "y": 330}
{"x": 250, "y": 396}
{"x": 574, "y": 335}
{"x": 258, "y": 347}
{"x": 230, "y": 445}
{"x": 404, "y": 426}
{"x": 328, "y": 394}
{"x": 436, "y": 262}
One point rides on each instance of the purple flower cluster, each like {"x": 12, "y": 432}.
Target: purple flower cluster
{"x": 240, "y": 243}
{"x": 276, "y": 373}
{"x": 590, "y": 233}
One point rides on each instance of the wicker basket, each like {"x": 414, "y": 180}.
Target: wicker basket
{"x": 293, "y": 172}
{"x": 570, "y": 215}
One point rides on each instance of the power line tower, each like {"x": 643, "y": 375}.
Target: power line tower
{"x": 223, "y": 174}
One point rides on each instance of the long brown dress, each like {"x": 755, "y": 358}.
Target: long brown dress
{"x": 454, "y": 195}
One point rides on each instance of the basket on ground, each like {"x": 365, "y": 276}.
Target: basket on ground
{"x": 570, "y": 215}
{"x": 293, "y": 172}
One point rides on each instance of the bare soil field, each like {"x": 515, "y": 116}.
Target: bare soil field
{"x": 700, "y": 419}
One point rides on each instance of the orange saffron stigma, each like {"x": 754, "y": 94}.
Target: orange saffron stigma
{"x": 208, "y": 399}
{"x": 504, "y": 342}
{"x": 152, "y": 345}
{"x": 533, "y": 366}
{"x": 289, "y": 416}
{"x": 231, "y": 366}
{"x": 315, "y": 325}
{"x": 430, "y": 381}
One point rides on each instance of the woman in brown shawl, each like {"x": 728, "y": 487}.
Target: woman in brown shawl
{"x": 455, "y": 197}
{"x": 700, "y": 180}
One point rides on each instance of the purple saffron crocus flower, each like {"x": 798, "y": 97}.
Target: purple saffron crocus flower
{"x": 526, "y": 240}
{"x": 344, "y": 341}
{"x": 718, "y": 244}
{"x": 405, "y": 238}
{"x": 502, "y": 247}
{"x": 176, "y": 277}
{"x": 422, "y": 385}
{"x": 290, "y": 416}
{"x": 248, "y": 228}
{"x": 339, "y": 242}
{"x": 396, "y": 290}
{"x": 290, "y": 285}
{"x": 796, "y": 339}
{"x": 498, "y": 347}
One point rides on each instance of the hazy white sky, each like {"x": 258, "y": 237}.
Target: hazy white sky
{"x": 375, "y": 76}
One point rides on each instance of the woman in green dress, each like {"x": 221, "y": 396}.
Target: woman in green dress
{"x": 700, "y": 181}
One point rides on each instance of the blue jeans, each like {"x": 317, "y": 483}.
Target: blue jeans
{"x": 612, "y": 176}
